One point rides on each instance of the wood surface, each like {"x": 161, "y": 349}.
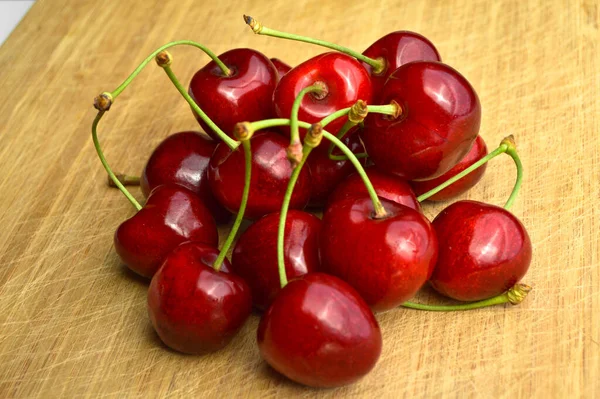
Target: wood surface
{"x": 73, "y": 320}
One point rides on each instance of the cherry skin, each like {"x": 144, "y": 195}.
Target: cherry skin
{"x": 282, "y": 67}
{"x": 437, "y": 126}
{"x": 483, "y": 251}
{"x": 319, "y": 332}
{"x": 271, "y": 173}
{"x": 396, "y": 49}
{"x": 386, "y": 260}
{"x": 477, "y": 151}
{"x": 182, "y": 158}
{"x": 387, "y": 186}
{"x": 255, "y": 253}
{"x": 193, "y": 308}
{"x": 246, "y": 95}
{"x": 172, "y": 215}
{"x": 345, "y": 80}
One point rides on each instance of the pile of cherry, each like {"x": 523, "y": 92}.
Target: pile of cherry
{"x": 357, "y": 136}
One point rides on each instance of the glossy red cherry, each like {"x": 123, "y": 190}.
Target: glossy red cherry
{"x": 182, "y": 158}
{"x": 438, "y": 124}
{"x": 319, "y": 332}
{"x": 390, "y": 187}
{"x": 477, "y": 151}
{"x": 396, "y": 49}
{"x": 255, "y": 253}
{"x": 245, "y": 95}
{"x": 172, "y": 215}
{"x": 282, "y": 67}
{"x": 271, "y": 173}
{"x": 345, "y": 81}
{"x": 386, "y": 260}
{"x": 483, "y": 251}
{"x": 193, "y": 308}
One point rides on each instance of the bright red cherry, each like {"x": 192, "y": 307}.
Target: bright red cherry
{"x": 182, "y": 158}
{"x": 255, "y": 253}
{"x": 439, "y": 121}
{"x": 193, "y": 308}
{"x": 477, "y": 151}
{"x": 172, "y": 215}
{"x": 483, "y": 251}
{"x": 319, "y": 332}
{"x": 282, "y": 67}
{"x": 246, "y": 95}
{"x": 386, "y": 260}
{"x": 345, "y": 79}
{"x": 396, "y": 49}
{"x": 271, "y": 173}
{"x": 390, "y": 187}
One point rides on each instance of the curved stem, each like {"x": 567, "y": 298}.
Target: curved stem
{"x": 294, "y": 133}
{"x": 105, "y": 163}
{"x": 231, "y": 143}
{"x": 126, "y": 180}
{"x": 240, "y": 215}
{"x": 337, "y": 114}
{"x": 512, "y": 151}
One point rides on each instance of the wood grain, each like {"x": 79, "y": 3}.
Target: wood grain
{"x": 73, "y": 321}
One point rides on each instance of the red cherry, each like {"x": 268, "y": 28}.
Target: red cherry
{"x": 255, "y": 253}
{"x": 398, "y": 48}
{"x": 193, "y": 308}
{"x": 282, "y": 67}
{"x": 319, "y": 332}
{"x": 246, "y": 95}
{"x": 483, "y": 251}
{"x": 386, "y": 260}
{"x": 478, "y": 151}
{"x": 172, "y": 214}
{"x": 387, "y": 186}
{"x": 182, "y": 158}
{"x": 345, "y": 80}
{"x": 271, "y": 173}
{"x": 438, "y": 124}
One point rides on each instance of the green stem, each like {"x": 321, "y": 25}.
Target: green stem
{"x": 105, "y": 163}
{"x": 512, "y": 151}
{"x": 231, "y": 143}
{"x": 240, "y": 216}
{"x": 294, "y": 133}
{"x": 337, "y": 114}
{"x": 377, "y": 64}
{"x": 126, "y": 180}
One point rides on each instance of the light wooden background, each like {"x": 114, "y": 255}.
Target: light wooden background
{"x": 73, "y": 321}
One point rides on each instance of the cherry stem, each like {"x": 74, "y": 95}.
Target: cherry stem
{"x": 258, "y": 28}
{"x": 512, "y": 151}
{"x": 515, "y": 295}
{"x": 240, "y": 215}
{"x": 126, "y": 180}
{"x": 317, "y": 87}
{"x": 105, "y": 163}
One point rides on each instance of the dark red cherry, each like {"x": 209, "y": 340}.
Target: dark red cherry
{"x": 193, "y": 308}
{"x": 172, "y": 215}
{"x": 255, "y": 253}
{"x": 477, "y": 151}
{"x": 386, "y": 260}
{"x": 438, "y": 124}
{"x": 282, "y": 67}
{"x": 245, "y": 95}
{"x": 271, "y": 173}
{"x": 483, "y": 251}
{"x": 319, "y": 332}
{"x": 390, "y": 187}
{"x": 345, "y": 81}
{"x": 182, "y": 158}
{"x": 396, "y": 49}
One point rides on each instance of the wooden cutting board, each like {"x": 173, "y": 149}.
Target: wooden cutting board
{"x": 73, "y": 320}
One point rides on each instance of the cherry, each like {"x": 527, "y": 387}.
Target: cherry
{"x": 439, "y": 121}
{"x": 255, "y": 254}
{"x": 483, "y": 251}
{"x": 477, "y": 151}
{"x": 183, "y": 158}
{"x": 271, "y": 172}
{"x": 244, "y": 95}
{"x": 386, "y": 260}
{"x": 282, "y": 67}
{"x": 172, "y": 214}
{"x": 319, "y": 332}
{"x": 387, "y": 186}
{"x": 344, "y": 82}
{"x": 194, "y": 308}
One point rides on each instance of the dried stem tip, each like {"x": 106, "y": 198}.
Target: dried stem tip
{"x": 124, "y": 179}
{"x": 164, "y": 58}
{"x": 243, "y": 131}
{"x": 398, "y": 109}
{"x": 314, "y": 135}
{"x": 517, "y": 293}
{"x": 102, "y": 102}
{"x": 294, "y": 154}
{"x": 509, "y": 141}
{"x": 358, "y": 112}
{"x": 253, "y": 24}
